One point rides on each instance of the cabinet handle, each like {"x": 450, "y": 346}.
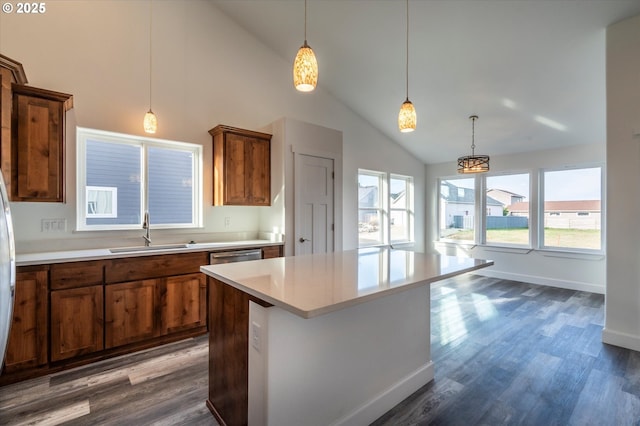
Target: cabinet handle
{"x": 302, "y": 240}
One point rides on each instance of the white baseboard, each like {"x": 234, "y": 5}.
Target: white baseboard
{"x": 624, "y": 340}
{"x": 551, "y": 282}
{"x": 376, "y": 407}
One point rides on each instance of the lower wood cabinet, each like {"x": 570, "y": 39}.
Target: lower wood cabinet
{"x": 130, "y": 312}
{"x": 27, "y": 345}
{"x": 141, "y": 310}
{"x": 77, "y": 321}
{"x": 183, "y": 303}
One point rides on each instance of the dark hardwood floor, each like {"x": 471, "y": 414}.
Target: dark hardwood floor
{"x": 505, "y": 353}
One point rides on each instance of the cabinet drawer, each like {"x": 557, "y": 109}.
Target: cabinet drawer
{"x": 139, "y": 268}
{"x": 76, "y": 274}
{"x": 271, "y": 251}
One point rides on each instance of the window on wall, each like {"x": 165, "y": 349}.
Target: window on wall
{"x": 457, "y": 207}
{"x": 385, "y": 208}
{"x": 571, "y": 208}
{"x": 507, "y": 209}
{"x": 371, "y": 195}
{"x": 400, "y": 208}
{"x": 122, "y": 176}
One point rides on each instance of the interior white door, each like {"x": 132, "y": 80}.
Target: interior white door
{"x": 314, "y": 216}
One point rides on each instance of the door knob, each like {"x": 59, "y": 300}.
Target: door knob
{"x": 302, "y": 240}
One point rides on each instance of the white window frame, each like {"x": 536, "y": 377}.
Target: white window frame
{"x": 83, "y": 134}
{"x": 409, "y": 213}
{"x": 541, "y": 200}
{"x": 531, "y": 198}
{"x": 479, "y": 203}
{"x": 385, "y": 207}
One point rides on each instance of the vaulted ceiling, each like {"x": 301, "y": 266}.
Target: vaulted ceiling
{"x": 532, "y": 70}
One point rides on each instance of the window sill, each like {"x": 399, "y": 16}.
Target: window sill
{"x": 572, "y": 254}
{"x": 505, "y": 249}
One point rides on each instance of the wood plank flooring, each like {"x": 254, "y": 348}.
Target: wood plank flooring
{"x": 509, "y": 353}
{"x": 506, "y": 353}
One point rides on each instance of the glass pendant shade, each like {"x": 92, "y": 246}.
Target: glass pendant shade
{"x": 407, "y": 117}
{"x": 305, "y": 69}
{"x": 150, "y": 122}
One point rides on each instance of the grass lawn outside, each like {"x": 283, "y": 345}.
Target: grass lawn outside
{"x": 553, "y": 237}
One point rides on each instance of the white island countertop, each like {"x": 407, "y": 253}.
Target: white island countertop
{"x": 312, "y": 285}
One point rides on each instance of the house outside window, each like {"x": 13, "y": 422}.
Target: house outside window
{"x": 508, "y": 211}
{"x": 456, "y": 209}
{"x": 385, "y": 208}
{"x": 122, "y": 176}
{"x": 572, "y": 212}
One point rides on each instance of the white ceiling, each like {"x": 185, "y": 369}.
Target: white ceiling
{"x": 532, "y": 70}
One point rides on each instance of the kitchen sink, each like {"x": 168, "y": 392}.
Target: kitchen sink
{"x": 147, "y": 248}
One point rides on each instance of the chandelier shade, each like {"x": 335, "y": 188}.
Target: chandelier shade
{"x": 473, "y": 163}
{"x": 407, "y": 117}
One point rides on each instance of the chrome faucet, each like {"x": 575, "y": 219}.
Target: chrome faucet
{"x": 146, "y": 225}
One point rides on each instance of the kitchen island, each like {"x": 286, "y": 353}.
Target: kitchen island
{"x": 335, "y": 338}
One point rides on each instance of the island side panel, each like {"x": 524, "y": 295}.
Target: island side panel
{"x": 228, "y": 352}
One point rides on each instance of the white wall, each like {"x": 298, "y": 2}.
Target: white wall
{"x": 580, "y": 272}
{"x": 206, "y": 71}
{"x": 622, "y": 322}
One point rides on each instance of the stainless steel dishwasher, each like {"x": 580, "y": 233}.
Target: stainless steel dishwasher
{"x": 234, "y": 256}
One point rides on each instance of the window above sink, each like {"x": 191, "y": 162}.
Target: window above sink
{"x": 120, "y": 176}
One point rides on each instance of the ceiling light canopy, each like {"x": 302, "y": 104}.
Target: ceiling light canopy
{"x": 407, "y": 118}
{"x": 150, "y": 121}
{"x": 305, "y": 65}
{"x": 473, "y": 163}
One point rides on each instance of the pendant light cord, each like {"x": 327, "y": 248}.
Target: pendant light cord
{"x": 473, "y": 133}
{"x": 407, "y": 68}
{"x": 305, "y": 22}
{"x": 150, "y": 47}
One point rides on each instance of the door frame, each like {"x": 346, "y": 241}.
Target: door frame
{"x": 290, "y": 195}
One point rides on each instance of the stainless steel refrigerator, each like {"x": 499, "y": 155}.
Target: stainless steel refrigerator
{"x": 7, "y": 269}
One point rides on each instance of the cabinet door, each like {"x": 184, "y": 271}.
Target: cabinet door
{"x": 235, "y": 187}
{"x": 130, "y": 315}
{"x": 183, "y": 303}
{"x": 258, "y": 177}
{"x": 76, "y": 322}
{"x": 38, "y": 142}
{"x": 27, "y": 346}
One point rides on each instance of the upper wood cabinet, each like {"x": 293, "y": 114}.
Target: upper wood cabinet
{"x": 10, "y": 72}
{"x": 38, "y": 144}
{"x": 242, "y": 167}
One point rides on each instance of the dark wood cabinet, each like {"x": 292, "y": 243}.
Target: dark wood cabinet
{"x": 242, "y": 167}
{"x": 27, "y": 345}
{"x": 77, "y": 322}
{"x": 183, "y": 303}
{"x": 38, "y": 144}
{"x": 11, "y": 72}
{"x": 271, "y": 252}
{"x": 130, "y": 312}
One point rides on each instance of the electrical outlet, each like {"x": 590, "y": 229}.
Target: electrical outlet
{"x": 256, "y": 336}
{"x": 53, "y": 225}
{"x": 227, "y": 221}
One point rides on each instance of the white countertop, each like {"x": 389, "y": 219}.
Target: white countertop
{"x": 104, "y": 253}
{"x": 312, "y": 285}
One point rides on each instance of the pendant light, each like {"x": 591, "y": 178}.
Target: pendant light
{"x": 473, "y": 163}
{"x": 150, "y": 120}
{"x": 305, "y": 65}
{"x": 407, "y": 116}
